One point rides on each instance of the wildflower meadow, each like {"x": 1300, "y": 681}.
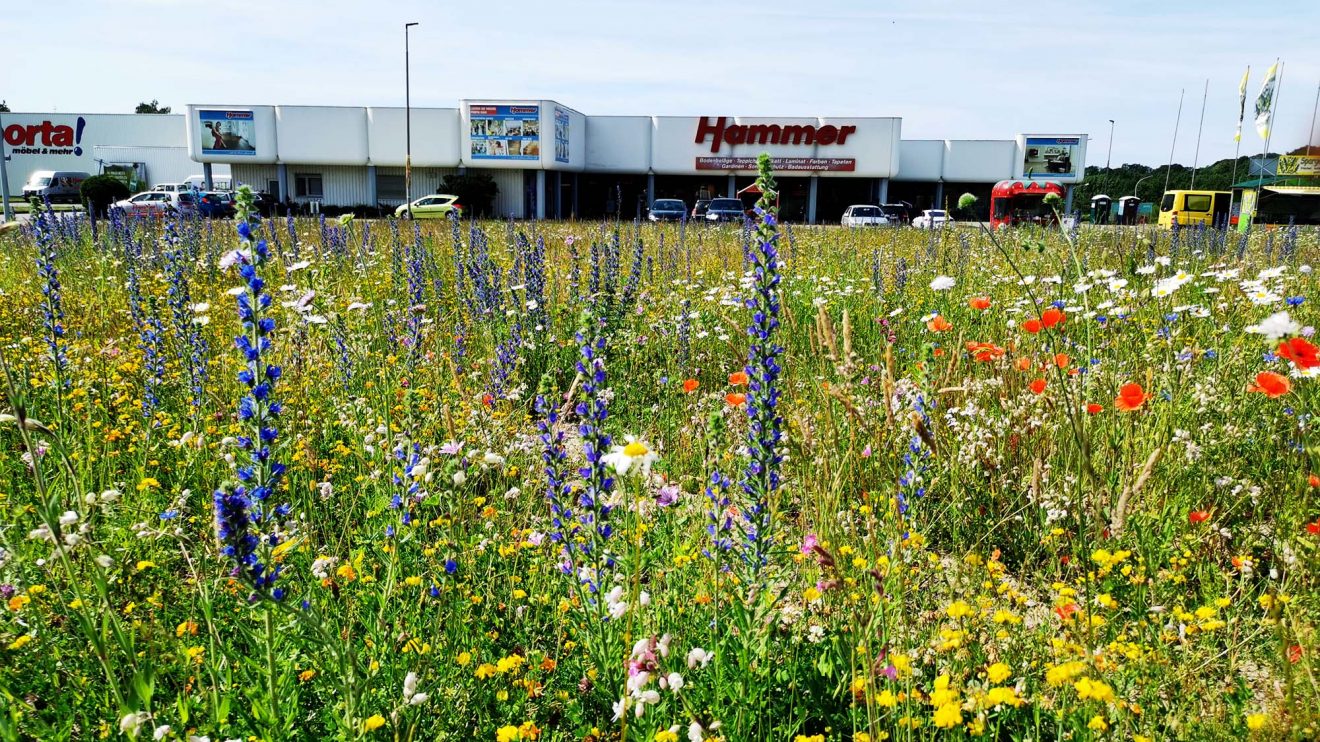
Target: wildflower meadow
{"x": 483, "y": 480}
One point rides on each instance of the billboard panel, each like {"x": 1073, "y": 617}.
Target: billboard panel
{"x": 1052, "y": 158}
{"x": 561, "y": 135}
{"x": 1302, "y": 165}
{"x": 504, "y": 132}
{"x": 227, "y": 133}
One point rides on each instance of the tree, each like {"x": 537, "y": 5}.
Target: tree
{"x": 4, "y": 107}
{"x": 152, "y": 107}
{"x": 476, "y": 191}
{"x": 99, "y": 191}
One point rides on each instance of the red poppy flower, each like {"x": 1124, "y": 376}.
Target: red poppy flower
{"x": 1295, "y": 653}
{"x": 1313, "y": 528}
{"x": 1198, "y": 516}
{"x": 690, "y": 386}
{"x": 1271, "y": 384}
{"x": 1038, "y": 386}
{"x": 937, "y": 352}
{"x": 1300, "y": 351}
{"x": 939, "y": 324}
{"x": 1130, "y": 397}
{"x": 1023, "y": 364}
{"x": 738, "y": 378}
{"x": 1052, "y": 317}
{"x": 1066, "y": 612}
{"x": 487, "y": 399}
{"x": 979, "y": 303}
{"x": 734, "y": 399}
{"x": 1313, "y": 481}
{"x": 1094, "y": 409}
{"x": 985, "y": 352}
{"x": 1032, "y": 326}
{"x": 1062, "y": 360}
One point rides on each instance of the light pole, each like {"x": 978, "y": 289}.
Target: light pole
{"x": 1139, "y": 180}
{"x": 4, "y": 181}
{"x": 407, "y": 118}
{"x": 1111, "y": 144}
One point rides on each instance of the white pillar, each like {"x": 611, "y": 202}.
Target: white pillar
{"x": 282, "y": 173}
{"x": 733, "y": 186}
{"x": 372, "y": 197}
{"x": 884, "y": 190}
{"x": 814, "y": 181}
{"x": 650, "y": 190}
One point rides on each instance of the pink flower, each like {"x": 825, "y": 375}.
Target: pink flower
{"x": 809, "y": 543}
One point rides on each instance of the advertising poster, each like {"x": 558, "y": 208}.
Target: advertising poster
{"x": 561, "y": 135}
{"x": 227, "y": 133}
{"x": 1301, "y": 165}
{"x": 505, "y": 132}
{"x": 1051, "y": 157}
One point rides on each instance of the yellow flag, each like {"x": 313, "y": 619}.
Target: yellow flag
{"x": 1265, "y": 102}
{"x": 1242, "y": 103}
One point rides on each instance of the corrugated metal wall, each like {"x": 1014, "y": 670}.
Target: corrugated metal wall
{"x": 509, "y": 202}
{"x": 256, "y": 176}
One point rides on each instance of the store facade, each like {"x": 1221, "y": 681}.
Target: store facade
{"x": 552, "y": 161}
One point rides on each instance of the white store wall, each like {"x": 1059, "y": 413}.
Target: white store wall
{"x": 978, "y": 161}
{"x": 618, "y": 144}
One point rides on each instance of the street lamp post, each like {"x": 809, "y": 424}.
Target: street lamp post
{"x": 407, "y": 117}
{"x": 1139, "y": 180}
{"x": 1111, "y": 144}
{"x": 4, "y": 181}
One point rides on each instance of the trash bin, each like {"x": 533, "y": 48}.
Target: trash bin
{"x": 1128, "y": 206}
{"x": 1100, "y": 206}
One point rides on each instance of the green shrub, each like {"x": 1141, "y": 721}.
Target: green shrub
{"x": 99, "y": 191}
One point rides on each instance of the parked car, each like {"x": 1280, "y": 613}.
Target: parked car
{"x": 667, "y": 210}
{"x": 699, "y": 210}
{"x": 215, "y": 205}
{"x": 158, "y": 204}
{"x": 864, "y": 216}
{"x": 899, "y": 213}
{"x": 172, "y": 187}
{"x": 725, "y": 210}
{"x": 431, "y": 207}
{"x": 931, "y": 218}
{"x": 60, "y": 186}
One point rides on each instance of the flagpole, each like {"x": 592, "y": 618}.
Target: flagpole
{"x": 1311, "y": 141}
{"x": 1274, "y": 109}
{"x": 1177, "y": 122}
{"x": 1196, "y": 157}
{"x": 1237, "y": 139}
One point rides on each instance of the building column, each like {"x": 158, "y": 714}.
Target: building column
{"x": 650, "y": 190}
{"x": 575, "y": 195}
{"x": 372, "y": 197}
{"x": 206, "y": 176}
{"x": 813, "y": 183}
{"x": 282, "y": 173}
{"x": 884, "y": 190}
{"x": 939, "y": 195}
{"x": 1067, "y": 201}
{"x": 540, "y": 194}
{"x": 733, "y": 186}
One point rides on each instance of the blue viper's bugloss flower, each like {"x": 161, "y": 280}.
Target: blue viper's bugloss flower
{"x": 244, "y": 517}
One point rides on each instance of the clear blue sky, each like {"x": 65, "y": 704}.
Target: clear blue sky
{"x": 950, "y": 68}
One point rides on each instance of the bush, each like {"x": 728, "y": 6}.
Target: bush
{"x": 476, "y": 191}
{"x": 99, "y": 191}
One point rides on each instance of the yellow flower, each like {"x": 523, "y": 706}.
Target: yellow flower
{"x": 346, "y": 573}
{"x": 1255, "y": 721}
{"x": 20, "y": 642}
{"x": 375, "y": 722}
{"x": 998, "y": 672}
{"x": 1002, "y": 616}
{"x": 812, "y": 738}
{"x": 17, "y": 602}
{"x": 413, "y": 581}
{"x": 1096, "y": 689}
{"x": 958, "y": 609}
{"x": 306, "y": 675}
{"x": 1097, "y": 723}
{"x": 145, "y": 564}
{"x": 187, "y": 627}
{"x": 1002, "y": 696}
{"x": 148, "y": 483}
{"x": 464, "y": 658}
{"x": 942, "y": 696}
{"x": 811, "y": 595}
{"x": 510, "y": 663}
{"x": 886, "y": 699}
{"x": 484, "y": 670}
{"x": 947, "y": 716}
{"x": 635, "y": 449}
{"x": 1060, "y": 674}
{"x": 903, "y": 664}
{"x": 664, "y": 735}
{"x": 858, "y": 685}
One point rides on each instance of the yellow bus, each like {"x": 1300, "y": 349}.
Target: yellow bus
{"x": 1194, "y": 207}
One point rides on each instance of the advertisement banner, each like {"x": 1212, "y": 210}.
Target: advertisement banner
{"x": 561, "y": 135}
{"x": 1303, "y": 165}
{"x": 1051, "y": 157}
{"x": 505, "y": 132}
{"x": 781, "y": 164}
{"x": 227, "y": 133}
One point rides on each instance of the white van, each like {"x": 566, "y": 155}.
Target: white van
{"x": 60, "y": 186}
{"x": 218, "y": 182}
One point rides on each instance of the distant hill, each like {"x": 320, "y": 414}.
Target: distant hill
{"x": 1120, "y": 181}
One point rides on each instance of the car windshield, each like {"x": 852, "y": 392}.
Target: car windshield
{"x": 1167, "y": 203}
{"x": 865, "y": 211}
{"x": 726, "y": 203}
{"x": 669, "y": 205}
{"x": 935, "y": 213}
{"x": 39, "y": 182}
{"x": 185, "y": 198}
